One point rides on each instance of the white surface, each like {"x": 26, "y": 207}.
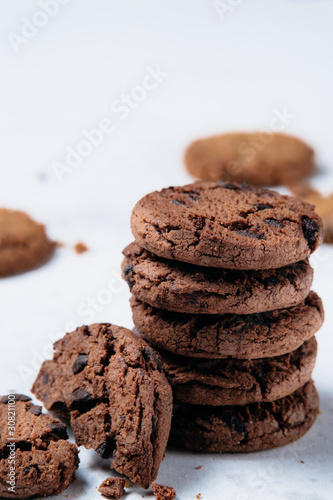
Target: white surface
{"x": 222, "y": 75}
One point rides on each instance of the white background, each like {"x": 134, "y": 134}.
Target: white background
{"x": 223, "y": 73}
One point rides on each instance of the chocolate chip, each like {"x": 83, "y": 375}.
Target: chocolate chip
{"x": 149, "y": 354}
{"x": 193, "y": 195}
{"x": 239, "y": 226}
{"x": 271, "y": 281}
{"x": 45, "y": 378}
{"x": 16, "y": 397}
{"x": 82, "y": 400}
{"x": 310, "y": 230}
{"x": 274, "y": 222}
{"x": 128, "y": 270}
{"x": 177, "y": 202}
{"x": 128, "y": 275}
{"x": 262, "y": 206}
{"x": 245, "y": 229}
{"x": 106, "y": 449}
{"x": 252, "y": 234}
{"x": 235, "y": 423}
{"x": 80, "y": 363}
{"x": 59, "y": 430}
{"x": 256, "y": 319}
{"x": 36, "y": 410}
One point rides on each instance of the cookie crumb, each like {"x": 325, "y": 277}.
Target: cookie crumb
{"x": 81, "y": 247}
{"x": 113, "y": 487}
{"x": 199, "y": 496}
{"x": 302, "y": 461}
{"x": 198, "y": 468}
{"x": 163, "y": 492}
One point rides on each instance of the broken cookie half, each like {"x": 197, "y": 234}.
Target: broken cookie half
{"x": 36, "y": 460}
{"x": 110, "y": 384}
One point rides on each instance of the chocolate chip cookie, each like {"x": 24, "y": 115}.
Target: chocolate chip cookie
{"x": 24, "y": 244}
{"x": 111, "y": 384}
{"x": 192, "y": 289}
{"x": 36, "y": 460}
{"x": 249, "y": 336}
{"x": 219, "y": 382}
{"x": 260, "y": 158}
{"x": 247, "y": 428}
{"x": 226, "y": 225}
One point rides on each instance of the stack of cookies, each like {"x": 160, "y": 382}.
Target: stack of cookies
{"x": 221, "y": 287}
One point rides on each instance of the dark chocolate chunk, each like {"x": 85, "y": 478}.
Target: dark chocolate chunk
{"x": 262, "y": 206}
{"x": 235, "y": 423}
{"x": 59, "y": 430}
{"x": 178, "y": 202}
{"x": 148, "y": 354}
{"x": 82, "y": 400}
{"x": 311, "y": 231}
{"x": 80, "y": 363}
{"x": 106, "y": 449}
{"x": 36, "y": 410}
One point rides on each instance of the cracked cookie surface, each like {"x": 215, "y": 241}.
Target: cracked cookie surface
{"x": 23, "y": 243}
{"x": 111, "y": 384}
{"x": 236, "y": 381}
{"x": 181, "y": 287}
{"x": 226, "y": 225}
{"x": 249, "y": 336}
{"x": 45, "y": 462}
{"x": 245, "y": 428}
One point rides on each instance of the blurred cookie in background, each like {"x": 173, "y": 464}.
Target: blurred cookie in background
{"x": 323, "y": 206}
{"x": 260, "y": 158}
{"x": 24, "y": 244}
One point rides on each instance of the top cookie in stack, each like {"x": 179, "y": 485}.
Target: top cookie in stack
{"x": 227, "y": 226}
{"x": 220, "y": 271}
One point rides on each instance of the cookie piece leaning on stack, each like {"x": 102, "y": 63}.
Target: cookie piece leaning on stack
{"x": 110, "y": 384}
{"x": 221, "y": 286}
